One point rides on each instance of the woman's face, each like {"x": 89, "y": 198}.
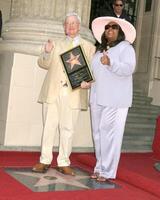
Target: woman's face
{"x": 111, "y": 31}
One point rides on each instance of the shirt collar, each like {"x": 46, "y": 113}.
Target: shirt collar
{"x": 75, "y": 39}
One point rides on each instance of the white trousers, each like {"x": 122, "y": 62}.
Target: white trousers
{"x": 108, "y": 128}
{"x": 60, "y": 118}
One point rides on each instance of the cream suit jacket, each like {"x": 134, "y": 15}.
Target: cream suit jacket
{"x": 52, "y": 83}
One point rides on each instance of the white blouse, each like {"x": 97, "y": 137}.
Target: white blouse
{"x": 113, "y": 84}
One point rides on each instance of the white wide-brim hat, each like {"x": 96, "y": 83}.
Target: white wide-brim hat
{"x": 98, "y": 27}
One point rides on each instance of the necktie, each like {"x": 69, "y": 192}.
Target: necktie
{"x": 71, "y": 44}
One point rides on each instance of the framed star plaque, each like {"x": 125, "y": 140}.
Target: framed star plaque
{"x": 76, "y": 66}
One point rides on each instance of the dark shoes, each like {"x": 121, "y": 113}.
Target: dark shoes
{"x": 66, "y": 170}
{"x": 40, "y": 168}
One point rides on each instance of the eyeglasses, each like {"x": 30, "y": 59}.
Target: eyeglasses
{"x": 118, "y": 5}
{"x": 113, "y": 26}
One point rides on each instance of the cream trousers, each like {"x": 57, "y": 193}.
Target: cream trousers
{"x": 59, "y": 120}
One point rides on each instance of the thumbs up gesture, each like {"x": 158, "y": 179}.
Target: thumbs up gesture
{"x": 105, "y": 59}
{"x": 48, "y": 46}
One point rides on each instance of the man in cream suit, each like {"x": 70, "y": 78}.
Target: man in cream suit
{"x": 61, "y": 104}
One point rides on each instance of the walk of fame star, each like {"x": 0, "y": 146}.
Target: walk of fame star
{"x": 53, "y": 177}
{"x": 53, "y": 180}
{"x": 73, "y": 60}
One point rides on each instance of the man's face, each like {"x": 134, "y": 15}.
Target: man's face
{"x": 72, "y": 26}
{"x": 118, "y": 7}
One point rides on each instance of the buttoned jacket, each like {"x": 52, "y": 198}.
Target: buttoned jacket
{"x": 56, "y": 74}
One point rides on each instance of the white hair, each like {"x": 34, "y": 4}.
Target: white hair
{"x": 73, "y": 14}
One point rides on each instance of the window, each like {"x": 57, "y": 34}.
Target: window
{"x": 148, "y": 5}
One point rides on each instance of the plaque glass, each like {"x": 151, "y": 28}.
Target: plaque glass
{"x": 76, "y": 66}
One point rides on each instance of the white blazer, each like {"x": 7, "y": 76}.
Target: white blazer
{"x": 113, "y": 84}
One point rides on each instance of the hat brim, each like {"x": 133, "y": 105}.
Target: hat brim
{"x": 98, "y": 27}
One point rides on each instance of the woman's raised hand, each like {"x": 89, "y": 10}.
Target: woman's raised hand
{"x": 105, "y": 59}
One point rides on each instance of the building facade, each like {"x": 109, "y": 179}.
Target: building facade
{"x": 27, "y": 25}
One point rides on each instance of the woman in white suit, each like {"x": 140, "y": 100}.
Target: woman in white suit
{"x": 111, "y": 94}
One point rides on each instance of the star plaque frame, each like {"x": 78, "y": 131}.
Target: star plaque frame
{"x": 76, "y": 66}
